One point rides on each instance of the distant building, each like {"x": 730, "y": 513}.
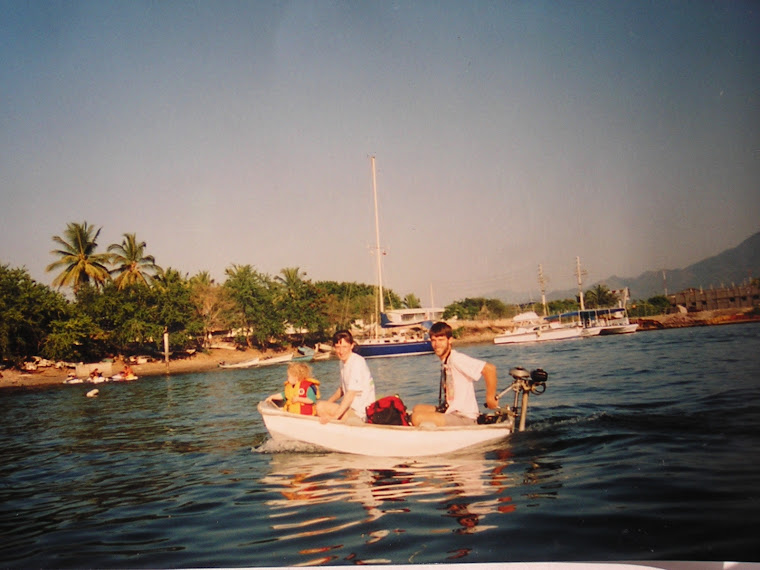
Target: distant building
{"x": 695, "y": 300}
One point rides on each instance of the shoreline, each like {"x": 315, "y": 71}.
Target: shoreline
{"x": 467, "y": 332}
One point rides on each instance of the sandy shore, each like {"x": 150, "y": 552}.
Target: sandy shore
{"x": 199, "y": 362}
{"x": 468, "y": 332}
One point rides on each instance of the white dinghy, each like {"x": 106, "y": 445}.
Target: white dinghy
{"x": 406, "y": 441}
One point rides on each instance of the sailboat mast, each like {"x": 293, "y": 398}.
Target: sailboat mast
{"x": 542, "y": 284}
{"x": 580, "y": 283}
{"x": 377, "y": 241}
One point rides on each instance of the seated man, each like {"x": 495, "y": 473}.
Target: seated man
{"x": 459, "y": 372}
{"x": 357, "y": 388}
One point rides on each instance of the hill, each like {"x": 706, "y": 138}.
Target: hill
{"x": 732, "y": 266}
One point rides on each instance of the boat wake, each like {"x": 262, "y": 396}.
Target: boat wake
{"x": 271, "y": 446}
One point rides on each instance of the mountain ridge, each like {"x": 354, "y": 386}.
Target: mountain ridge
{"x": 730, "y": 267}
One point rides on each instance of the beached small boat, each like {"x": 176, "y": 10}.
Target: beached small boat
{"x": 244, "y": 364}
{"x": 405, "y": 441}
{"x": 276, "y": 360}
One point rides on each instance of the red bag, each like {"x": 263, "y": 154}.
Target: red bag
{"x": 388, "y": 411}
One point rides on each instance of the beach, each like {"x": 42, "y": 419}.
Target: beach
{"x": 468, "y": 332}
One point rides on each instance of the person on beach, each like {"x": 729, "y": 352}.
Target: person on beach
{"x": 459, "y": 372}
{"x": 300, "y": 391}
{"x": 96, "y": 376}
{"x": 357, "y": 388}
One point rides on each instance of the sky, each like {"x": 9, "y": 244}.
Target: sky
{"x": 506, "y": 135}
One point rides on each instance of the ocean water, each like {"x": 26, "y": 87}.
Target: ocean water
{"x": 643, "y": 447}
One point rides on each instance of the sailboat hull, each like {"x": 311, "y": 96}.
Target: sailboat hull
{"x": 380, "y": 348}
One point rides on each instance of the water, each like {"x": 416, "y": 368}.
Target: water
{"x": 644, "y": 447}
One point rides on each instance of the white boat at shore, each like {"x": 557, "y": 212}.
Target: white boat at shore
{"x": 276, "y": 360}
{"x": 529, "y": 327}
{"x": 404, "y": 441}
{"x": 245, "y": 364}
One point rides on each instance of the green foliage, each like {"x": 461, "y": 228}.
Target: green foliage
{"x": 562, "y": 306}
{"x": 77, "y": 258}
{"x": 255, "y": 312}
{"x": 411, "y": 301}
{"x": 27, "y": 309}
{"x": 656, "y": 305}
{"x": 599, "y": 297}
{"x": 211, "y": 304}
{"x": 300, "y": 302}
{"x": 76, "y": 339}
{"x": 478, "y": 308}
{"x": 133, "y": 267}
{"x": 132, "y": 319}
{"x": 345, "y": 303}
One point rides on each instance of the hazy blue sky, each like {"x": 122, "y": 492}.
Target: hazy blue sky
{"x": 507, "y": 135}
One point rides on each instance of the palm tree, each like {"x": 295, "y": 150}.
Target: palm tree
{"x": 291, "y": 279}
{"x": 599, "y": 296}
{"x": 411, "y": 301}
{"x": 132, "y": 266}
{"x": 78, "y": 259}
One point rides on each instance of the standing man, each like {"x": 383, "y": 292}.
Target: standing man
{"x": 357, "y": 388}
{"x": 459, "y": 372}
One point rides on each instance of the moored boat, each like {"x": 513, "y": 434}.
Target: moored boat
{"x": 393, "y": 346}
{"x": 381, "y": 345}
{"x": 405, "y": 441}
{"x": 603, "y": 322}
{"x": 529, "y": 327}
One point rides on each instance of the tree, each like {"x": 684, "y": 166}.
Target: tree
{"x": 411, "y": 301}
{"x": 211, "y": 302}
{"x": 78, "y": 259}
{"x": 560, "y": 306}
{"x": 291, "y": 279}
{"x": 27, "y": 311}
{"x": 174, "y": 309}
{"x": 133, "y": 266}
{"x": 255, "y": 313}
{"x": 478, "y": 308}
{"x": 598, "y": 297}
{"x": 657, "y": 305}
{"x": 74, "y": 339}
{"x": 300, "y": 302}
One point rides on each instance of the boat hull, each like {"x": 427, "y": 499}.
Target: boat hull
{"x": 245, "y": 364}
{"x": 378, "y": 440}
{"x": 542, "y": 334}
{"x": 382, "y": 348}
{"x": 619, "y": 329}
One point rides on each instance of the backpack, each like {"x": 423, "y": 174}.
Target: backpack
{"x": 388, "y": 411}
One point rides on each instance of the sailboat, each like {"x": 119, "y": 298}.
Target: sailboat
{"x": 404, "y": 343}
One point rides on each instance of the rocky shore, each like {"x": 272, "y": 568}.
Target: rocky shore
{"x": 467, "y": 332}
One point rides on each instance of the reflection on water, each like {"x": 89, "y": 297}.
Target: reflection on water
{"x": 388, "y": 496}
{"x": 633, "y": 443}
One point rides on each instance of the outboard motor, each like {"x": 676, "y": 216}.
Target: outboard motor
{"x": 525, "y": 383}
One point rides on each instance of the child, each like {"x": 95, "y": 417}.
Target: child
{"x": 300, "y": 392}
